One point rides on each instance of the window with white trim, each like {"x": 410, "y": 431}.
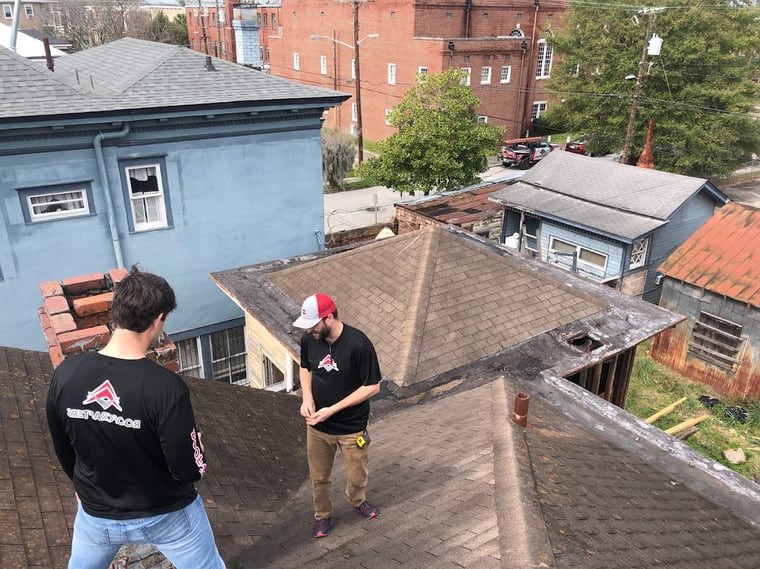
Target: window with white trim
{"x": 323, "y": 64}
{"x": 538, "y": 108}
{"x": 482, "y": 119}
{"x": 147, "y": 202}
{"x": 638, "y": 253}
{"x": 29, "y": 9}
{"x": 296, "y": 61}
{"x": 467, "y": 75}
{"x": 47, "y": 204}
{"x": 584, "y": 255}
{"x": 354, "y": 129}
{"x": 354, "y": 112}
{"x": 506, "y": 74}
{"x": 421, "y": 72}
{"x": 388, "y": 117}
{"x": 544, "y": 63}
{"x": 272, "y": 374}
{"x": 391, "y": 74}
{"x": 228, "y": 355}
{"x": 353, "y": 69}
{"x": 7, "y": 11}
{"x": 189, "y": 354}
{"x": 485, "y": 75}
{"x": 716, "y": 340}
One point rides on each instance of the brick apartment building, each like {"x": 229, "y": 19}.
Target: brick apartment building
{"x": 501, "y": 44}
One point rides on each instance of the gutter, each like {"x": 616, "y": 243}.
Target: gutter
{"x": 97, "y": 144}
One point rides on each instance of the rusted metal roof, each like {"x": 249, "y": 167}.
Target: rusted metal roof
{"x": 723, "y": 256}
{"x": 459, "y": 207}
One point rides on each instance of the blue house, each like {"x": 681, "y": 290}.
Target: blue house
{"x": 607, "y": 221}
{"x": 139, "y": 152}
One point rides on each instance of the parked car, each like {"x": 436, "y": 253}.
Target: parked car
{"x": 577, "y": 147}
{"x": 524, "y": 152}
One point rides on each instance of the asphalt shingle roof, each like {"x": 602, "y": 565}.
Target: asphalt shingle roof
{"x": 614, "y": 198}
{"x": 131, "y": 74}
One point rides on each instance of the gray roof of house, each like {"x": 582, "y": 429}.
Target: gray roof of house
{"x": 131, "y": 75}
{"x": 615, "y": 199}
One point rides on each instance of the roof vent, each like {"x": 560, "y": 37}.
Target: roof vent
{"x": 209, "y": 65}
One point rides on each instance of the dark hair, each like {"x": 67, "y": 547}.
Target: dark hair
{"x": 139, "y": 298}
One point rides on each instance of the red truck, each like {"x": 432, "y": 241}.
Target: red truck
{"x": 524, "y": 152}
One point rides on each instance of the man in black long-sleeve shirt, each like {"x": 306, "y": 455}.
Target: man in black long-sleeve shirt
{"x": 124, "y": 432}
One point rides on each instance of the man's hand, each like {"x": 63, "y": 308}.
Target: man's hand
{"x": 317, "y": 417}
{"x": 307, "y": 408}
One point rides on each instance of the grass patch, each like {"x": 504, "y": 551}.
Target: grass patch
{"x": 654, "y": 387}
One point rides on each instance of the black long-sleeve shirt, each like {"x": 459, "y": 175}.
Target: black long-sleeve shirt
{"x": 124, "y": 432}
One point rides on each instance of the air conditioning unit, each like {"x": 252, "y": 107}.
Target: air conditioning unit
{"x": 658, "y": 279}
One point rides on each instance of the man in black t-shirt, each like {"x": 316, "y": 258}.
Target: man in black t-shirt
{"x": 124, "y": 432}
{"x": 339, "y": 374}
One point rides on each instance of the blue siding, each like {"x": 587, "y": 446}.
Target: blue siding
{"x": 613, "y": 251}
{"x": 235, "y": 200}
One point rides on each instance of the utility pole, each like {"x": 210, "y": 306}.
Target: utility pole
{"x": 651, "y": 14}
{"x": 359, "y": 134}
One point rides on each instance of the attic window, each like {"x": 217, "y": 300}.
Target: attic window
{"x": 584, "y": 342}
{"x": 716, "y": 340}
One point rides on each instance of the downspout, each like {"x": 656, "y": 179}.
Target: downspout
{"x": 97, "y": 144}
{"x": 531, "y": 69}
{"x": 467, "y": 17}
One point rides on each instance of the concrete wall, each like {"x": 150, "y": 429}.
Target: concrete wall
{"x": 235, "y": 199}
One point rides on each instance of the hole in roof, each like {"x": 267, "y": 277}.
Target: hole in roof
{"x": 584, "y": 342}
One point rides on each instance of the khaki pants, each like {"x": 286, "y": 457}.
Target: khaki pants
{"x": 320, "y": 452}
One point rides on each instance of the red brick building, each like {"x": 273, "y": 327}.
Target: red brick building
{"x": 501, "y": 44}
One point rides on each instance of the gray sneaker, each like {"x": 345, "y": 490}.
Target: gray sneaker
{"x": 322, "y": 527}
{"x": 367, "y": 510}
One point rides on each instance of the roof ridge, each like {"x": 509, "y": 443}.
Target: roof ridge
{"x": 129, "y": 82}
{"x": 419, "y": 300}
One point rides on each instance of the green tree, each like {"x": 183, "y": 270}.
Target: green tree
{"x": 439, "y": 144}
{"x": 178, "y": 30}
{"x": 338, "y": 151}
{"x": 700, "y": 91}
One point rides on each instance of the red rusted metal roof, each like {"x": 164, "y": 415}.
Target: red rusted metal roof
{"x": 460, "y": 207}
{"x": 723, "y": 256}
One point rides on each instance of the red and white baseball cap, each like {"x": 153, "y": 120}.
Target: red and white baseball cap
{"x": 313, "y": 309}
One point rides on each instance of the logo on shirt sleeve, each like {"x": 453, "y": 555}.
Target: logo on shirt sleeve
{"x": 104, "y": 395}
{"x": 328, "y": 364}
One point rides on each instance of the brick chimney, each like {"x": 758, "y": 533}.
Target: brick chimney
{"x": 76, "y": 317}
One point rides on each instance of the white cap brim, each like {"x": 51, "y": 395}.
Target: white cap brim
{"x": 306, "y": 323}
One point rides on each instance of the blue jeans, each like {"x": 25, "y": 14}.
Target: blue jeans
{"x": 184, "y": 537}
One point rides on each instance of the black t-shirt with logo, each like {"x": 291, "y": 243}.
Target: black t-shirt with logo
{"x": 124, "y": 432}
{"x": 338, "y": 370}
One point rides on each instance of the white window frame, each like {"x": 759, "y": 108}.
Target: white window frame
{"x": 219, "y": 360}
{"x": 388, "y": 117}
{"x": 140, "y": 201}
{"x": 61, "y": 203}
{"x": 468, "y": 75}
{"x": 271, "y": 372}
{"x": 422, "y": 72}
{"x": 544, "y": 63}
{"x": 29, "y": 10}
{"x": 354, "y": 129}
{"x": 579, "y": 249}
{"x": 296, "y": 61}
{"x": 639, "y": 251}
{"x": 539, "y": 107}
{"x": 353, "y": 69}
{"x": 7, "y": 11}
{"x": 391, "y": 74}
{"x": 354, "y": 112}
{"x": 485, "y": 75}
{"x": 190, "y": 357}
{"x": 323, "y": 64}
{"x": 506, "y": 74}
{"x": 482, "y": 119}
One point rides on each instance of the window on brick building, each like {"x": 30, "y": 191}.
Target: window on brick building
{"x": 353, "y": 69}
{"x": 391, "y": 74}
{"x": 145, "y": 194}
{"x": 323, "y": 64}
{"x": 388, "y": 117}
{"x": 485, "y": 75}
{"x": 296, "y": 61}
{"x": 29, "y": 11}
{"x": 264, "y": 19}
{"x": 482, "y": 119}
{"x": 354, "y": 112}
{"x": 274, "y": 21}
{"x": 422, "y": 70}
{"x": 59, "y": 202}
{"x": 544, "y": 64}
{"x": 7, "y": 11}
{"x": 539, "y": 107}
{"x": 467, "y": 75}
{"x": 506, "y": 74}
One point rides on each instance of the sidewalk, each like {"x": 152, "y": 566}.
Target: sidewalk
{"x": 369, "y": 206}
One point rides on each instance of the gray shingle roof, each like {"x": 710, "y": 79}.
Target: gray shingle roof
{"x": 614, "y": 198}
{"x": 131, "y": 74}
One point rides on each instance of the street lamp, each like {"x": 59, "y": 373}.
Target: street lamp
{"x": 358, "y": 92}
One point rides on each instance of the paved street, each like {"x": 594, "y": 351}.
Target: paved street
{"x": 365, "y": 207}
